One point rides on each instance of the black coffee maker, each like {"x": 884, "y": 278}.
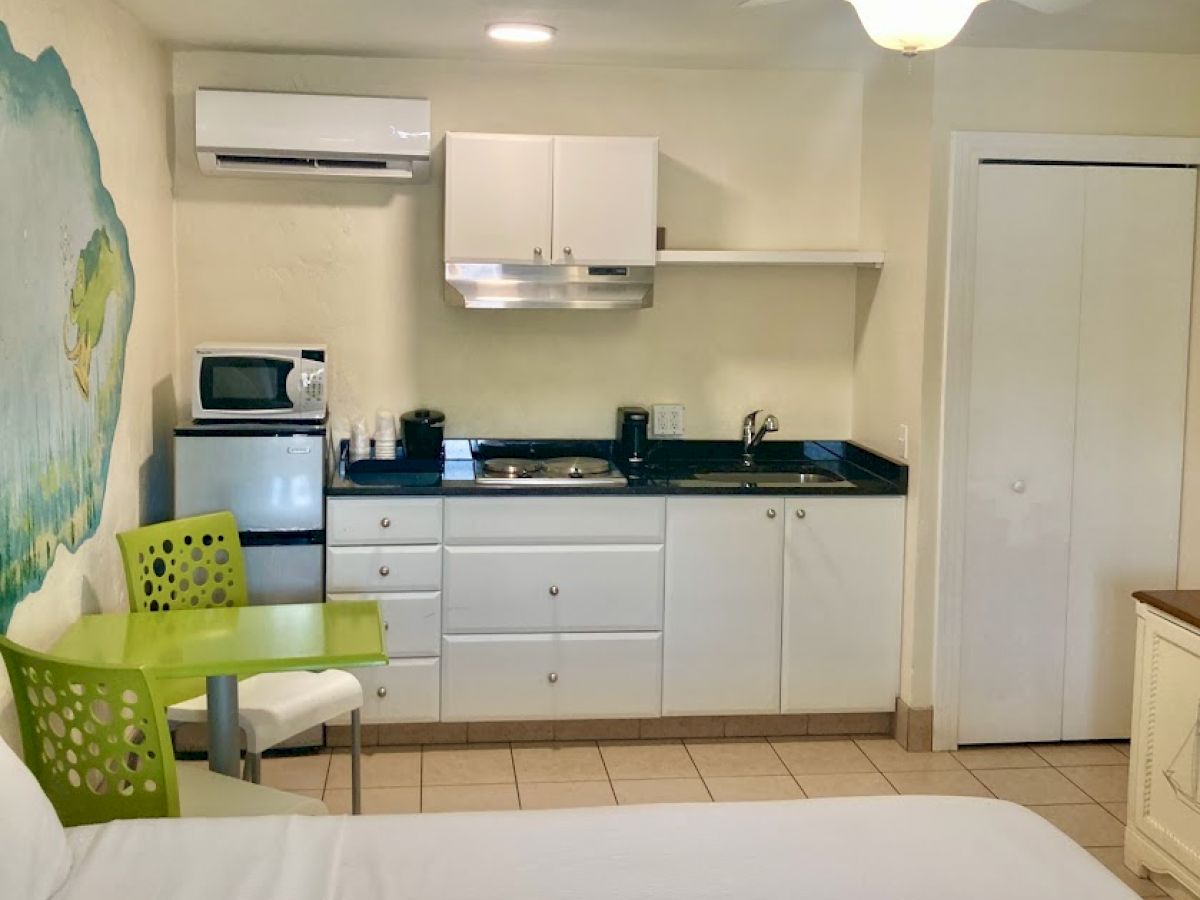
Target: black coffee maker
{"x": 633, "y": 431}
{"x": 422, "y": 431}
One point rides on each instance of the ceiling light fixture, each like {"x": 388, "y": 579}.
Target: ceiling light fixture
{"x": 520, "y": 33}
{"x": 912, "y": 26}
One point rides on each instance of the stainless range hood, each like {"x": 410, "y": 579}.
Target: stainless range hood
{"x": 499, "y": 286}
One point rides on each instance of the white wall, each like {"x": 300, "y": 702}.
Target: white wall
{"x": 749, "y": 159}
{"x": 122, "y": 76}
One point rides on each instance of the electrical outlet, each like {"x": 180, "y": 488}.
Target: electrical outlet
{"x": 902, "y": 440}
{"x": 668, "y": 420}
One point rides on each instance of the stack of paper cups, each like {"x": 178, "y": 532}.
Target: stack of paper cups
{"x": 360, "y": 440}
{"x": 385, "y": 435}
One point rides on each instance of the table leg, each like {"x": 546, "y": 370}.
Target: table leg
{"x": 223, "y": 732}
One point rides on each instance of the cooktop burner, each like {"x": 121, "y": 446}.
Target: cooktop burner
{"x": 565, "y": 471}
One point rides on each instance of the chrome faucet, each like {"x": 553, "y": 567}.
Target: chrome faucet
{"x": 752, "y": 438}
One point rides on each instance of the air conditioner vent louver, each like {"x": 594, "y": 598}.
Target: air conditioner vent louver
{"x": 299, "y": 162}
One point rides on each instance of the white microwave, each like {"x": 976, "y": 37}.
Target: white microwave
{"x": 259, "y": 382}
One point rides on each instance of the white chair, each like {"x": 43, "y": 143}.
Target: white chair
{"x": 197, "y": 563}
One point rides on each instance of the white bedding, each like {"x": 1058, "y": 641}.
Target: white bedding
{"x": 871, "y": 848}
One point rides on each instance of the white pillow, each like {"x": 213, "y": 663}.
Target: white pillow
{"x": 34, "y": 857}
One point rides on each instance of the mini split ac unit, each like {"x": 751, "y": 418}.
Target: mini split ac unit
{"x": 312, "y": 135}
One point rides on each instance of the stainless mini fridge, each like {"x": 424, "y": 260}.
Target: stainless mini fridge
{"x": 272, "y": 478}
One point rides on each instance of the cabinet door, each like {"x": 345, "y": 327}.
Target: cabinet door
{"x": 605, "y": 200}
{"x": 1133, "y": 361}
{"x": 722, "y": 616}
{"x": 842, "y": 601}
{"x": 498, "y": 198}
{"x": 1021, "y": 440}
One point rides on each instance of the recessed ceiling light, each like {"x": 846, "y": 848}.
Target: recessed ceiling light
{"x": 520, "y": 33}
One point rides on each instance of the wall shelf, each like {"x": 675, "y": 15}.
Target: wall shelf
{"x": 868, "y": 258}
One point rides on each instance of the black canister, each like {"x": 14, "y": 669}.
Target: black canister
{"x": 633, "y": 423}
{"x": 422, "y": 431}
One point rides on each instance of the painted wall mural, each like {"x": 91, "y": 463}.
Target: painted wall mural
{"x": 66, "y": 303}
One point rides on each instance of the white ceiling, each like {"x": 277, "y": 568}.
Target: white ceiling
{"x": 806, "y": 33}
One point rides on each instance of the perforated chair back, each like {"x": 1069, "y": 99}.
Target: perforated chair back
{"x": 193, "y": 563}
{"x": 94, "y": 737}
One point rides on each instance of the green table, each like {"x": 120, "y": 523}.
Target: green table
{"x": 222, "y": 644}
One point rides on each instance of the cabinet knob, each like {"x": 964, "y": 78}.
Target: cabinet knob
{"x": 554, "y": 590}
{"x": 385, "y": 522}
{"x": 381, "y": 693}
{"x": 537, "y": 251}
{"x": 566, "y": 251}
{"x": 386, "y": 626}
{"x": 552, "y": 678}
{"x": 770, "y": 513}
{"x": 800, "y": 514}
{"x": 1018, "y": 487}
{"x": 385, "y": 571}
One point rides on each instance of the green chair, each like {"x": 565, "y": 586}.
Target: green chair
{"x": 197, "y": 563}
{"x": 94, "y": 737}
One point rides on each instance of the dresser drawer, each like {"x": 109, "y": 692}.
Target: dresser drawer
{"x": 555, "y": 520}
{"x": 412, "y": 623}
{"x": 540, "y": 676}
{"x": 383, "y": 520}
{"x": 383, "y": 569}
{"x": 586, "y": 588}
{"x": 405, "y": 690}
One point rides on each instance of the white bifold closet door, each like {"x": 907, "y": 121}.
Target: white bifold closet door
{"x": 1075, "y": 440}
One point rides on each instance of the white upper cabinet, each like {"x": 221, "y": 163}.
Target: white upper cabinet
{"x": 722, "y": 618}
{"x": 498, "y": 198}
{"x": 533, "y": 199}
{"x": 605, "y": 200}
{"x": 842, "y": 602}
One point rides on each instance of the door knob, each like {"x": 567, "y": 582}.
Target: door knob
{"x": 552, "y": 678}
{"x": 385, "y": 571}
{"x": 770, "y": 513}
{"x": 385, "y": 522}
{"x": 800, "y": 514}
{"x": 381, "y": 693}
{"x": 1018, "y": 487}
{"x": 554, "y": 590}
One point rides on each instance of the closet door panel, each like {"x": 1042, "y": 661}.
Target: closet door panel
{"x": 1133, "y": 359}
{"x": 1020, "y": 453}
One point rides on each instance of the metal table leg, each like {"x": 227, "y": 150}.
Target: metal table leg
{"x": 223, "y": 731}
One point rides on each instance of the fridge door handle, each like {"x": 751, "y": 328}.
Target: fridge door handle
{"x": 299, "y": 450}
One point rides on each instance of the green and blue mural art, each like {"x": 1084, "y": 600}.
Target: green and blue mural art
{"x": 66, "y": 303}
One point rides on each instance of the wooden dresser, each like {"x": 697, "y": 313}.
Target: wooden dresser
{"x": 1163, "y": 831}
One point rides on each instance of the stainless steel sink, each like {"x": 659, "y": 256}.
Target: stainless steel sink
{"x": 806, "y": 478}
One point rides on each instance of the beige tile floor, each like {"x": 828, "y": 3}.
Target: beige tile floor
{"x": 1080, "y": 788}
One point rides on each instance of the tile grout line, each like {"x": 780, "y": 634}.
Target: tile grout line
{"x": 699, "y": 774}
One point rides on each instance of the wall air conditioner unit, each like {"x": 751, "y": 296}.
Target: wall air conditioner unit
{"x": 312, "y": 135}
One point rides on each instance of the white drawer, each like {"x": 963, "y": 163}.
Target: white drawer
{"x": 383, "y": 569}
{"x": 555, "y": 520}
{"x": 547, "y": 676}
{"x": 412, "y": 623}
{"x": 405, "y": 690}
{"x": 519, "y": 589}
{"x": 383, "y": 520}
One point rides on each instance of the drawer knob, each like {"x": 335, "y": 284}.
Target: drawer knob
{"x": 566, "y": 251}
{"x": 385, "y": 522}
{"x": 385, "y": 571}
{"x": 770, "y": 513}
{"x": 537, "y": 251}
{"x": 554, "y": 590}
{"x": 800, "y": 514}
{"x": 386, "y": 626}
{"x": 552, "y": 678}
{"x": 381, "y": 693}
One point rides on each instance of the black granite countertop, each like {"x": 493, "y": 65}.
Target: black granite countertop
{"x": 667, "y": 462}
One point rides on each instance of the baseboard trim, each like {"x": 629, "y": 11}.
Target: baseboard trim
{"x": 914, "y": 727}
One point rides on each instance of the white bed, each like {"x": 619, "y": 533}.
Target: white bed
{"x": 881, "y": 848}
{"x": 870, "y": 848}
